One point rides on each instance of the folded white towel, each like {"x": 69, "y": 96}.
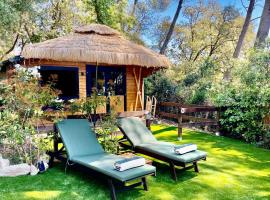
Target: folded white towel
{"x": 129, "y": 163}
{"x": 182, "y": 149}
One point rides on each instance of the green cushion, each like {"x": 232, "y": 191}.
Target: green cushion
{"x": 166, "y": 149}
{"x": 135, "y": 130}
{"x": 78, "y": 137}
{"x": 104, "y": 163}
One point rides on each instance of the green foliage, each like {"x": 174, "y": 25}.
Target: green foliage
{"x": 108, "y": 133}
{"x": 247, "y": 98}
{"x": 88, "y": 106}
{"x": 159, "y": 86}
{"x": 38, "y": 20}
{"x": 14, "y": 14}
{"x": 22, "y": 101}
{"x": 192, "y": 88}
{"x": 110, "y": 12}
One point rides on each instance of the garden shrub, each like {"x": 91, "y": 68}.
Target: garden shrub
{"x": 162, "y": 88}
{"x": 189, "y": 86}
{"x": 22, "y": 99}
{"x": 247, "y": 98}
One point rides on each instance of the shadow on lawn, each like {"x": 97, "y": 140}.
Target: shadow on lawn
{"x": 170, "y": 128}
{"x": 163, "y": 169}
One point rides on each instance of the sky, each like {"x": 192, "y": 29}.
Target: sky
{"x": 170, "y": 11}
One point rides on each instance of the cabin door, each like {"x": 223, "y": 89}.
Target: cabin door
{"x": 109, "y": 82}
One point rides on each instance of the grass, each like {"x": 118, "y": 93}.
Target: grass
{"x": 233, "y": 170}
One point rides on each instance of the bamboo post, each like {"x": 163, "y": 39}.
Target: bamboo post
{"x": 138, "y": 83}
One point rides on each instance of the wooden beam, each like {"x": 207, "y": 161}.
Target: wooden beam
{"x": 191, "y": 124}
{"x": 170, "y": 104}
{"x": 198, "y": 109}
{"x": 169, "y": 115}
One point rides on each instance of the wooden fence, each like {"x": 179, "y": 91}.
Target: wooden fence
{"x": 189, "y": 115}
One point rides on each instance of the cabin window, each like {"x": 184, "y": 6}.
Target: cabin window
{"x": 64, "y": 79}
{"x": 107, "y": 81}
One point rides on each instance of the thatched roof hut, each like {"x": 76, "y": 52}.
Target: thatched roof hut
{"x": 99, "y": 46}
{"x": 95, "y": 44}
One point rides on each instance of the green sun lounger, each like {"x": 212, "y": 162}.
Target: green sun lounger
{"x": 83, "y": 148}
{"x": 143, "y": 141}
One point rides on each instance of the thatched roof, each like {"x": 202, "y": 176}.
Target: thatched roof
{"x": 95, "y": 43}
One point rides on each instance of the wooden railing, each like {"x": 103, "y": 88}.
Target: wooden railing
{"x": 189, "y": 115}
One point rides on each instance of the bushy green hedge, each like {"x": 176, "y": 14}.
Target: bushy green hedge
{"x": 247, "y": 98}
{"x": 189, "y": 87}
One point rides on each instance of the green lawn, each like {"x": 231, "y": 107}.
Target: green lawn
{"x": 233, "y": 170}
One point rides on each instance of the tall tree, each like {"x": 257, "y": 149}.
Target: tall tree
{"x": 170, "y": 32}
{"x": 144, "y": 16}
{"x": 244, "y": 29}
{"x": 15, "y": 16}
{"x": 264, "y": 26}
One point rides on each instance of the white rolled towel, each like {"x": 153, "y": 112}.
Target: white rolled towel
{"x": 129, "y": 163}
{"x": 185, "y": 148}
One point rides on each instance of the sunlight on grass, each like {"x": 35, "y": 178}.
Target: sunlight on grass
{"x": 164, "y": 195}
{"x": 42, "y": 194}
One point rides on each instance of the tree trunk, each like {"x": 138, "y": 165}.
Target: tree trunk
{"x": 264, "y": 26}
{"x": 170, "y": 32}
{"x": 97, "y": 11}
{"x": 134, "y": 7}
{"x": 244, "y": 29}
{"x": 11, "y": 48}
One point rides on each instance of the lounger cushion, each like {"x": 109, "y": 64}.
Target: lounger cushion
{"x": 136, "y": 131}
{"x": 166, "y": 149}
{"x": 104, "y": 163}
{"x": 78, "y": 137}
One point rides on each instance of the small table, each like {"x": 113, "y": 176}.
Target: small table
{"x": 130, "y": 155}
